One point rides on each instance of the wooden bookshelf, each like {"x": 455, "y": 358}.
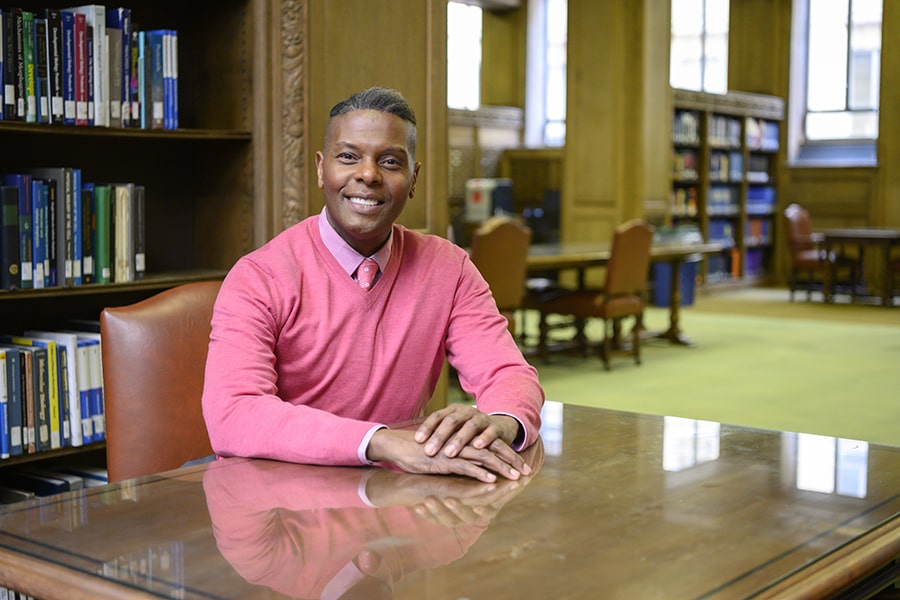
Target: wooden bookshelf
{"x": 203, "y": 194}
{"x": 725, "y": 157}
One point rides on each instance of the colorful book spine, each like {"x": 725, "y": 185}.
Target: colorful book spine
{"x": 4, "y": 408}
{"x": 8, "y": 51}
{"x": 39, "y": 211}
{"x": 14, "y": 380}
{"x": 41, "y": 70}
{"x": 10, "y": 275}
{"x": 68, "y": 377}
{"x": 68, "y": 67}
{"x": 81, "y": 70}
{"x": 26, "y": 235}
{"x": 28, "y": 60}
{"x": 77, "y": 228}
{"x": 95, "y": 19}
{"x": 102, "y": 206}
{"x": 55, "y": 64}
{"x": 88, "y": 223}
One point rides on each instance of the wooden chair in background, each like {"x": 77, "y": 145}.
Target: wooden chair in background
{"x": 154, "y": 357}
{"x": 500, "y": 251}
{"x": 622, "y": 295}
{"x": 809, "y": 261}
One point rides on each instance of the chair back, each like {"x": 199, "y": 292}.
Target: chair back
{"x": 500, "y": 251}
{"x": 798, "y": 228}
{"x": 627, "y": 271}
{"x": 154, "y": 356}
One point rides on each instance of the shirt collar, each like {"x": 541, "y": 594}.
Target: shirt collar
{"x": 347, "y": 257}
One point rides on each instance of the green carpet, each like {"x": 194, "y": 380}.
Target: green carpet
{"x": 826, "y": 369}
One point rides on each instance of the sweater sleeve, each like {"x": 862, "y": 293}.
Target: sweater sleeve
{"x": 244, "y": 414}
{"x": 489, "y": 363}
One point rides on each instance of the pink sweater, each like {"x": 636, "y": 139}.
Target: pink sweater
{"x": 303, "y": 363}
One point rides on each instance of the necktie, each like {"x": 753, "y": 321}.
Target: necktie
{"x": 365, "y": 273}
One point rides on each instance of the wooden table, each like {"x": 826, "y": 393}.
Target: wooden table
{"x": 584, "y": 255}
{"x": 622, "y": 505}
{"x": 879, "y": 237}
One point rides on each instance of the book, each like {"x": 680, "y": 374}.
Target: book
{"x": 41, "y": 485}
{"x": 77, "y": 227}
{"x": 41, "y": 69}
{"x": 68, "y": 67}
{"x": 11, "y": 495}
{"x": 81, "y": 69}
{"x": 22, "y": 182}
{"x": 4, "y": 407}
{"x": 10, "y": 277}
{"x": 94, "y": 374}
{"x": 46, "y": 407}
{"x": 8, "y": 50}
{"x": 15, "y": 378}
{"x": 95, "y": 18}
{"x": 87, "y": 233}
{"x": 19, "y": 61}
{"x": 60, "y": 199}
{"x": 123, "y": 232}
{"x": 118, "y": 28}
{"x": 139, "y": 231}
{"x": 155, "y": 40}
{"x": 28, "y": 63}
{"x": 39, "y": 197}
{"x": 114, "y": 37}
{"x": 55, "y": 394}
{"x": 83, "y": 365}
{"x": 101, "y": 231}
{"x": 136, "y": 76}
{"x": 89, "y": 70}
{"x": 55, "y": 63}
{"x": 28, "y": 395}
{"x": 68, "y": 341}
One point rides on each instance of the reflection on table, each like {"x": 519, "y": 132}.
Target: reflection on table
{"x": 623, "y": 506}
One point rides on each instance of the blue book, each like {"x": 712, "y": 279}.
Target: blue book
{"x": 77, "y": 227}
{"x": 39, "y": 210}
{"x": 156, "y": 85}
{"x": 14, "y": 379}
{"x": 4, "y": 407}
{"x": 26, "y": 235}
{"x": 68, "y": 66}
{"x": 95, "y": 383}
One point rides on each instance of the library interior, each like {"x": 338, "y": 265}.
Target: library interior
{"x": 685, "y": 209}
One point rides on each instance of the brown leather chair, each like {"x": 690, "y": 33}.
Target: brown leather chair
{"x": 622, "y": 295}
{"x": 154, "y": 356}
{"x": 500, "y": 251}
{"x": 809, "y": 261}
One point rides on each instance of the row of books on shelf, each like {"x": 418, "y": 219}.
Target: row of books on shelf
{"x": 87, "y": 65}
{"x": 726, "y": 166}
{"x": 723, "y": 200}
{"x": 758, "y": 232}
{"x": 27, "y": 481}
{"x": 684, "y": 201}
{"x": 58, "y": 230}
{"x": 686, "y": 127}
{"x": 762, "y": 135}
{"x": 51, "y": 390}
{"x": 684, "y": 165}
{"x": 760, "y": 200}
{"x": 726, "y": 266}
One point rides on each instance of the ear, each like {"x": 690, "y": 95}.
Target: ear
{"x": 320, "y": 160}
{"x": 415, "y": 176}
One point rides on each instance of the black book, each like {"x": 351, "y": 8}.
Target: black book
{"x": 140, "y": 229}
{"x": 41, "y": 70}
{"x": 10, "y": 258}
{"x": 88, "y": 224}
{"x": 19, "y": 78}
{"x": 9, "y": 65}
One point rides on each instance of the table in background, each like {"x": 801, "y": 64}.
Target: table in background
{"x": 584, "y": 255}
{"x": 623, "y": 505}
{"x": 861, "y": 237}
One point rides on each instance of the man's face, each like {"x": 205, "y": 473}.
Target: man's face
{"x": 366, "y": 172}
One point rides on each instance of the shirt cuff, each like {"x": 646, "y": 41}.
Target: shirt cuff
{"x": 519, "y": 443}
{"x": 364, "y": 445}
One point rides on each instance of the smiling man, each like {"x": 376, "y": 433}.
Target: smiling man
{"x": 340, "y": 326}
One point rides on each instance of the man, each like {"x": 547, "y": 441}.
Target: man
{"x": 309, "y": 363}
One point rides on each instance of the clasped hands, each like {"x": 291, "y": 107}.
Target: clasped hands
{"x": 458, "y": 439}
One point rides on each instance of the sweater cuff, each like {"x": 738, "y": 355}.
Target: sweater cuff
{"x": 362, "y": 451}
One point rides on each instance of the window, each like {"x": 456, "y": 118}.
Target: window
{"x": 545, "y": 106}
{"x": 844, "y": 50}
{"x": 835, "y": 81}
{"x": 699, "y": 47}
{"x": 463, "y": 56}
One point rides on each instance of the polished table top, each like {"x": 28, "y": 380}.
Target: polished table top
{"x": 623, "y": 506}
{"x": 584, "y": 254}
